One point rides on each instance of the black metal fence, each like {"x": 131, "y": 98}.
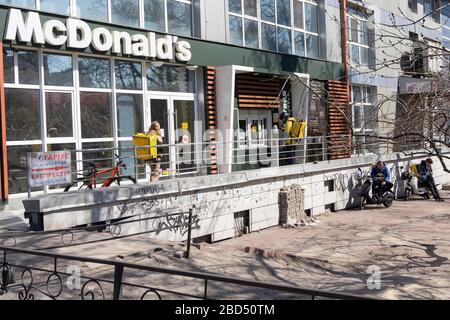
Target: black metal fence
{"x": 29, "y": 275}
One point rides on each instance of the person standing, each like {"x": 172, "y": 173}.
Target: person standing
{"x": 155, "y": 164}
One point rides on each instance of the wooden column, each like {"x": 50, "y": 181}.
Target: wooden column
{"x": 3, "y": 149}
{"x": 211, "y": 115}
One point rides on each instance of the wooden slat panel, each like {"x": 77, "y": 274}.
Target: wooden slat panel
{"x": 257, "y": 91}
{"x": 338, "y": 110}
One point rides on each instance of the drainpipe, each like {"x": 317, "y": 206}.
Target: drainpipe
{"x": 344, "y": 45}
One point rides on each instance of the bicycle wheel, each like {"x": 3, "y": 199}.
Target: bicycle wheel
{"x": 74, "y": 187}
{"x": 116, "y": 181}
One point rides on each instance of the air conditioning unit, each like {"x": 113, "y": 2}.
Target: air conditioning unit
{"x": 415, "y": 62}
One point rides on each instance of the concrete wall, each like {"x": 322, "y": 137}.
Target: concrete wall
{"x": 214, "y": 199}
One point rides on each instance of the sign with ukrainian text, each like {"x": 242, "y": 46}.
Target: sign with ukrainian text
{"x": 49, "y": 168}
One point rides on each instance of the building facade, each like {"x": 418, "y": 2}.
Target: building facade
{"x": 86, "y": 75}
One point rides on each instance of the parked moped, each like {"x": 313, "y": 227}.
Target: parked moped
{"x": 414, "y": 186}
{"x": 382, "y": 194}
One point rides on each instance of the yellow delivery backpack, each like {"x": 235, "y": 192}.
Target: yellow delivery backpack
{"x": 414, "y": 169}
{"x": 145, "y": 146}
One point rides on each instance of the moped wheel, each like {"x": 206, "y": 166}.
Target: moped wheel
{"x": 388, "y": 201}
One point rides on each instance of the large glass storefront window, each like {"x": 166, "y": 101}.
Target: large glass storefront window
{"x": 281, "y": 25}
{"x": 128, "y": 75}
{"x": 18, "y": 168}
{"x": 129, "y": 114}
{"x": 58, "y": 106}
{"x": 94, "y": 72}
{"x": 58, "y": 70}
{"x": 95, "y": 110}
{"x": 78, "y": 107}
{"x": 170, "y": 78}
{"x": 22, "y": 114}
{"x": 28, "y": 67}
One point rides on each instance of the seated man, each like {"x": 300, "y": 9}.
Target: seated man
{"x": 381, "y": 177}
{"x": 427, "y": 180}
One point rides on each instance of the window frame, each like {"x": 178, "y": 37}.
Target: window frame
{"x": 361, "y": 17}
{"x": 293, "y": 30}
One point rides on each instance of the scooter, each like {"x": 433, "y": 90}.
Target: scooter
{"x": 414, "y": 186}
{"x": 382, "y": 195}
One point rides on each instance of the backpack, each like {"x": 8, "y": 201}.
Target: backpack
{"x": 146, "y": 146}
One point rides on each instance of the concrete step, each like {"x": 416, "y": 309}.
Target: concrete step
{"x": 446, "y": 187}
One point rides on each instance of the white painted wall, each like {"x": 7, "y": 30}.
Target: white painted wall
{"x": 215, "y": 199}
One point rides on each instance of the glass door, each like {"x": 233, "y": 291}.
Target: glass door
{"x": 177, "y": 118}
{"x": 159, "y": 111}
{"x": 184, "y": 113}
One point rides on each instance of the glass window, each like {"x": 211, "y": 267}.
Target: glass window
{"x": 312, "y": 46}
{"x": 363, "y": 39}
{"x": 58, "y": 70}
{"x": 56, "y": 6}
{"x": 22, "y": 114}
{"x": 251, "y": 33}
{"x": 284, "y": 40}
{"x": 355, "y": 53}
{"x": 102, "y": 155}
{"x": 268, "y": 10}
{"x": 125, "y": 12}
{"x": 28, "y": 67}
{"x": 18, "y": 168}
{"x": 284, "y": 12}
{"x": 155, "y": 15}
{"x": 299, "y": 43}
{"x": 95, "y": 109}
{"x": 126, "y": 153}
{"x": 94, "y": 73}
{"x": 128, "y": 75}
{"x": 8, "y": 65}
{"x": 129, "y": 114}
{"x": 354, "y": 30}
{"x": 357, "y": 116}
{"x": 236, "y": 30}
{"x": 58, "y": 106}
{"x": 179, "y": 17}
{"x": 298, "y": 14}
{"x": 364, "y": 56}
{"x": 93, "y": 9}
{"x": 310, "y": 17}
{"x": 250, "y": 8}
{"x": 29, "y": 4}
{"x": 170, "y": 78}
{"x": 235, "y": 6}
{"x": 268, "y": 37}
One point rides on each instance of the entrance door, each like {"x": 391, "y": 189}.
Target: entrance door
{"x": 177, "y": 118}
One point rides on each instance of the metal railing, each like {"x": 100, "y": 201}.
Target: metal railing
{"x": 48, "y": 281}
{"x": 183, "y": 159}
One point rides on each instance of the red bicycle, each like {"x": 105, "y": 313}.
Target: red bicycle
{"x": 90, "y": 179}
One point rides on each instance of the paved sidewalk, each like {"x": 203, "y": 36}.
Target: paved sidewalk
{"x": 409, "y": 242}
